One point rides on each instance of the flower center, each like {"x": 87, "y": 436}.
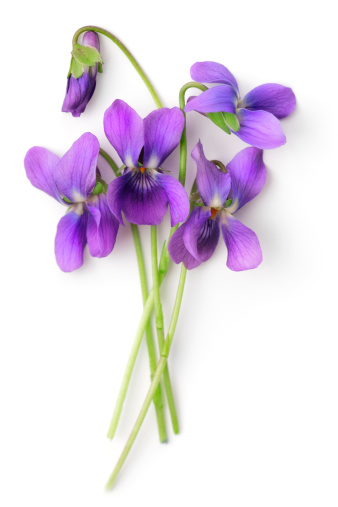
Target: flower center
{"x": 213, "y": 212}
{"x": 142, "y": 169}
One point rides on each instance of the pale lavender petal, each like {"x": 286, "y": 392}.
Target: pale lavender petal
{"x": 75, "y": 175}
{"x": 260, "y": 129}
{"x": 201, "y": 234}
{"x": 124, "y": 130}
{"x": 213, "y": 184}
{"x": 177, "y": 196}
{"x": 40, "y": 166}
{"x": 162, "y": 133}
{"x": 212, "y": 72}
{"x": 91, "y": 38}
{"x": 244, "y": 251}
{"x": 102, "y": 227}
{"x": 178, "y": 251}
{"x": 248, "y": 175}
{"x": 276, "y": 99}
{"x": 71, "y": 239}
{"x": 221, "y": 98}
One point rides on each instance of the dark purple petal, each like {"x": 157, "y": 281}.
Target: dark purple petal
{"x": 276, "y": 99}
{"x": 71, "y": 239}
{"x": 178, "y": 251}
{"x": 124, "y": 130}
{"x": 75, "y": 175}
{"x": 244, "y": 251}
{"x": 102, "y": 227}
{"x": 79, "y": 92}
{"x": 213, "y": 184}
{"x": 139, "y": 196}
{"x": 221, "y": 98}
{"x": 177, "y": 197}
{"x": 162, "y": 133}
{"x": 201, "y": 234}
{"x": 212, "y": 72}
{"x": 40, "y": 165}
{"x": 260, "y": 129}
{"x": 248, "y": 175}
{"x": 91, "y": 39}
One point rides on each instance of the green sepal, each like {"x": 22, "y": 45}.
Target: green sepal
{"x": 98, "y": 189}
{"x": 232, "y": 121}
{"x": 76, "y": 68}
{"x": 86, "y": 55}
{"x": 100, "y": 68}
{"x": 65, "y": 199}
{"x": 228, "y": 203}
{"x": 199, "y": 204}
{"x": 219, "y": 120}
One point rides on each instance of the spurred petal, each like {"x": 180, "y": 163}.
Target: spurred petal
{"x": 276, "y": 99}
{"x": 124, "y": 130}
{"x": 260, "y": 129}
{"x": 40, "y": 166}
{"x": 221, "y": 98}
{"x": 91, "y": 38}
{"x": 177, "y": 197}
{"x": 201, "y": 234}
{"x": 248, "y": 175}
{"x": 162, "y": 133}
{"x": 212, "y": 72}
{"x": 244, "y": 251}
{"x": 75, "y": 175}
{"x": 71, "y": 239}
{"x": 139, "y": 196}
{"x": 213, "y": 184}
{"x": 178, "y": 251}
{"x": 102, "y": 227}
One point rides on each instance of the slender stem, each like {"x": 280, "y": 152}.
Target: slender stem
{"x": 110, "y": 161}
{"x": 156, "y": 380}
{"x": 128, "y": 54}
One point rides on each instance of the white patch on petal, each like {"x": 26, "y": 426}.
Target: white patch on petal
{"x": 77, "y": 208}
{"x": 77, "y": 197}
{"x": 128, "y": 161}
{"x": 216, "y": 202}
{"x": 233, "y": 207}
{"x": 153, "y": 162}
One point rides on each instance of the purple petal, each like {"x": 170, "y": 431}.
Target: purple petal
{"x": 221, "y": 98}
{"x": 213, "y": 184}
{"x": 248, "y": 175}
{"x": 178, "y": 251}
{"x": 276, "y": 99}
{"x": 40, "y": 165}
{"x": 71, "y": 239}
{"x": 260, "y": 129}
{"x": 177, "y": 196}
{"x": 102, "y": 227}
{"x": 75, "y": 175}
{"x": 79, "y": 92}
{"x": 244, "y": 251}
{"x": 139, "y": 196}
{"x": 124, "y": 130}
{"x": 201, "y": 234}
{"x": 162, "y": 133}
{"x": 91, "y": 39}
{"x": 212, "y": 72}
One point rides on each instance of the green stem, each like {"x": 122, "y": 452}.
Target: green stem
{"x": 156, "y": 380}
{"x": 110, "y": 161}
{"x": 128, "y": 54}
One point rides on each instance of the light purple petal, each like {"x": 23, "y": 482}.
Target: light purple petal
{"x": 40, "y": 165}
{"x": 124, "y": 130}
{"x": 212, "y": 72}
{"x": 248, "y": 175}
{"x": 102, "y": 227}
{"x": 71, "y": 239}
{"x": 177, "y": 197}
{"x": 139, "y": 196}
{"x": 244, "y": 251}
{"x": 75, "y": 175}
{"x": 213, "y": 184}
{"x": 221, "y": 98}
{"x": 276, "y": 99}
{"x": 91, "y": 38}
{"x": 162, "y": 133}
{"x": 178, "y": 251}
{"x": 260, "y": 129}
{"x": 201, "y": 234}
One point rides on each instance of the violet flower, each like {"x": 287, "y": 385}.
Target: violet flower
{"x": 257, "y": 113}
{"x": 143, "y": 192}
{"x": 71, "y": 180}
{"x": 82, "y": 78}
{"x": 222, "y": 195}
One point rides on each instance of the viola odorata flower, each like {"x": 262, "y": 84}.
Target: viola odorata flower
{"x": 144, "y": 191}
{"x": 221, "y": 195}
{"x": 86, "y": 62}
{"x": 72, "y": 181}
{"x": 258, "y": 113}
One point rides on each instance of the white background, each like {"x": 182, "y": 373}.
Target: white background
{"x": 254, "y": 359}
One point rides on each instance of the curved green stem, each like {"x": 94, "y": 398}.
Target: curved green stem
{"x": 124, "y": 50}
{"x": 110, "y": 161}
